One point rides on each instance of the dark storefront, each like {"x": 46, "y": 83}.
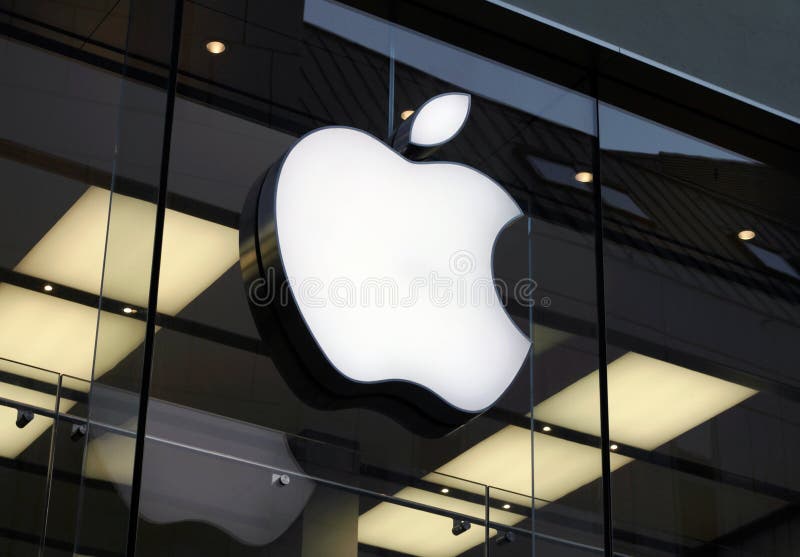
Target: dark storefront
{"x": 654, "y": 269}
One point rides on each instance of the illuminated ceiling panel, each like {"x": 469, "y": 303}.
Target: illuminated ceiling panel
{"x": 46, "y": 331}
{"x": 14, "y": 439}
{"x": 195, "y": 252}
{"x": 49, "y": 332}
{"x": 416, "y": 532}
{"x": 651, "y": 402}
{"x": 561, "y": 466}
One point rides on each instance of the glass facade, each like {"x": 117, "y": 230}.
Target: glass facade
{"x": 654, "y": 269}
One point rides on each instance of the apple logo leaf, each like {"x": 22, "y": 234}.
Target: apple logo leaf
{"x": 440, "y": 119}
{"x": 435, "y": 123}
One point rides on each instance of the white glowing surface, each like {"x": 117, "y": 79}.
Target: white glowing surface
{"x": 352, "y": 211}
{"x": 439, "y": 119}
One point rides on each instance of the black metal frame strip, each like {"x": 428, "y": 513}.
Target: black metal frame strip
{"x": 605, "y": 434}
{"x": 161, "y": 207}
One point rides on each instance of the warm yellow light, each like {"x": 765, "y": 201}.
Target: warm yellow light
{"x": 637, "y": 385}
{"x": 746, "y": 235}
{"x": 48, "y": 287}
{"x": 547, "y": 428}
{"x": 638, "y": 388}
{"x": 14, "y": 439}
{"x": 414, "y": 532}
{"x": 48, "y": 332}
{"x": 215, "y": 47}
{"x": 584, "y": 177}
{"x": 195, "y": 252}
{"x": 406, "y": 114}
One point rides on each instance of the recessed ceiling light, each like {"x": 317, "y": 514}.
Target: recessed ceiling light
{"x": 614, "y": 447}
{"x": 48, "y": 287}
{"x": 506, "y": 506}
{"x": 406, "y": 114}
{"x": 215, "y": 47}
{"x": 445, "y": 490}
{"x": 128, "y": 310}
{"x": 547, "y": 428}
{"x": 584, "y": 177}
{"x": 746, "y": 235}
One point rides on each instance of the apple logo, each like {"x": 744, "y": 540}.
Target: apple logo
{"x": 369, "y": 273}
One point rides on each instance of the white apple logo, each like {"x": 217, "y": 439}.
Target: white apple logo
{"x": 349, "y": 215}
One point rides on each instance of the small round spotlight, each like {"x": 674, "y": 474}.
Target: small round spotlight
{"x": 215, "y": 47}
{"x": 48, "y": 287}
{"x": 584, "y": 177}
{"x": 506, "y": 506}
{"x": 746, "y": 235}
{"x": 547, "y": 428}
{"x": 614, "y": 447}
{"x": 406, "y": 114}
{"x": 445, "y": 490}
{"x": 128, "y": 310}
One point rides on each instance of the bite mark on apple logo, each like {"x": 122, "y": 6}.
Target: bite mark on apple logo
{"x": 342, "y": 204}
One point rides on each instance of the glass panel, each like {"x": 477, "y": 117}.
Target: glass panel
{"x": 510, "y": 524}
{"x": 701, "y": 357}
{"x": 124, "y": 209}
{"x": 28, "y": 400}
{"x": 68, "y": 450}
{"x": 232, "y": 499}
{"x": 286, "y": 70}
{"x": 60, "y": 121}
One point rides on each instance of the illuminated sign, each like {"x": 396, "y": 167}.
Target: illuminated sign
{"x": 370, "y": 274}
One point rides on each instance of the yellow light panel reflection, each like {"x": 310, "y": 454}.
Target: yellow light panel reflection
{"x": 416, "y": 532}
{"x": 195, "y": 252}
{"x": 651, "y": 402}
{"x": 43, "y": 330}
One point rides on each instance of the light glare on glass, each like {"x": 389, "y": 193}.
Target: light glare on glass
{"x": 215, "y": 47}
{"x": 406, "y": 114}
{"x": 746, "y": 235}
{"x": 584, "y": 177}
